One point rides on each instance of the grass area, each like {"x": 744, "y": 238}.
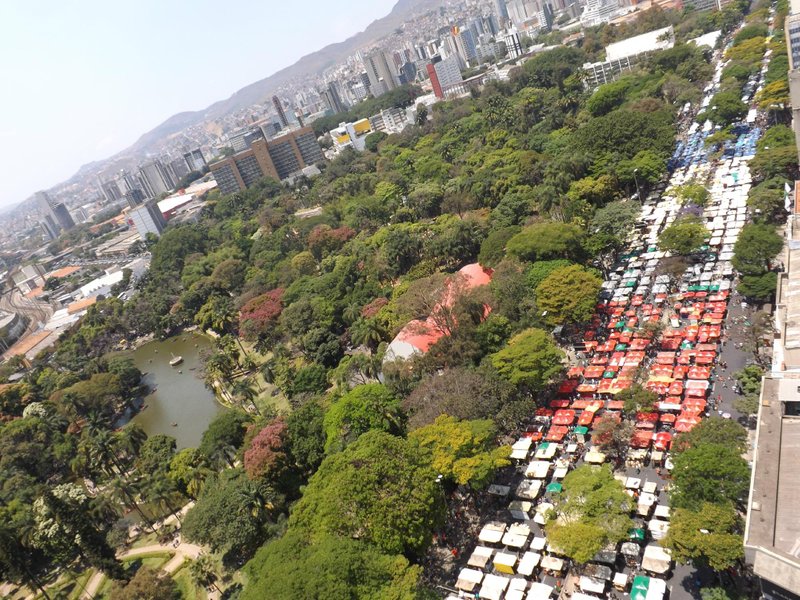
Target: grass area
{"x": 154, "y": 560}
{"x": 189, "y": 590}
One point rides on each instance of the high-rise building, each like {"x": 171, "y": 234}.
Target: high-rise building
{"x": 49, "y": 228}
{"x": 513, "y": 45}
{"x": 792, "y": 28}
{"x": 147, "y": 218}
{"x": 444, "y": 74}
{"x": 408, "y": 72}
{"x": 154, "y": 179}
{"x": 126, "y": 182}
{"x": 501, "y": 10}
{"x": 59, "y": 217}
{"x": 276, "y": 102}
{"x": 465, "y": 44}
{"x": 110, "y": 190}
{"x": 195, "y": 160}
{"x": 546, "y": 17}
{"x": 134, "y": 197}
{"x": 178, "y": 169}
{"x": 382, "y": 78}
{"x": 277, "y": 158}
{"x": 332, "y": 99}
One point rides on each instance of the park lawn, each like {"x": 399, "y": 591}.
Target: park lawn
{"x": 189, "y": 590}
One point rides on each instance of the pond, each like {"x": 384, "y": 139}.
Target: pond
{"x": 179, "y": 403}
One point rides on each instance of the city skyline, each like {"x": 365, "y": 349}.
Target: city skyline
{"x": 73, "y": 105}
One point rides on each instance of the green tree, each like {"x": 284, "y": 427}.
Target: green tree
{"x": 712, "y": 473}
{"x": 305, "y": 429}
{"x": 691, "y": 192}
{"x": 365, "y": 407}
{"x": 726, "y": 108}
{"x": 147, "y": 584}
{"x": 568, "y": 295}
{"x": 203, "y": 571}
{"x": 462, "y": 451}
{"x": 328, "y": 567}
{"x": 356, "y": 492}
{"x": 593, "y": 508}
{"x": 709, "y": 536}
{"x": 714, "y": 430}
{"x": 530, "y": 359}
{"x": 759, "y": 287}
{"x": 637, "y": 399}
{"x": 226, "y": 430}
{"x": 756, "y": 247}
{"x": 223, "y": 518}
{"x": 685, "y": 236}
{"x": 156, "y": 454}
{"x": 547, "y": 240}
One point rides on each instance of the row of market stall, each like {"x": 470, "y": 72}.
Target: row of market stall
{"x": 651, "y": 327}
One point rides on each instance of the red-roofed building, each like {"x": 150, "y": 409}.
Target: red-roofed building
{"x": 418, "y": 336}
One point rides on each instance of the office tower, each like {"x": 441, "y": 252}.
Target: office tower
{"x": 277, "y": 158}
{"x": 134, "y": 197}
{"x": 444, "y": 74}
{"x": 244, "y": 139}
{"x": 58, "y": 214}
{"x": 195, "y": 160}
{"x": 513, "y": 45}
{"x": 408, "y": 73}
{"x": 792, "y": 28}
{"x": 154, "y": 179}
{"x": 382, "y": 78}
{"x": 49, "y": 228}
{"x": 126, "y": 182}
{"x": 110, "y": 190}
{"x": 501, "y": 10}
{"x": 333, "y": 101}
{"x": 276, "y": 102}
{"x": 178, "y": 169}
{"x": 466, "y": 44}
{"x": 546, "y": 17}
{"x": 360, "y": 91}
{"x": 147, "y": 218}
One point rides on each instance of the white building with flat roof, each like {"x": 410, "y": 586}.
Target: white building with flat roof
{"x": 660, "y": 39}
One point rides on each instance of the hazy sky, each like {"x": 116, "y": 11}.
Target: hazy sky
{"x": 82, "y": 79}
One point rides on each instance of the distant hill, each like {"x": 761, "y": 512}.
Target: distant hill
{"x": 311, "y": 64}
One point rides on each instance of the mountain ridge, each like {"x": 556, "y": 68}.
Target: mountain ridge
{"x": 260, "y": 90}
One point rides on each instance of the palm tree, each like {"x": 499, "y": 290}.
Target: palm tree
{"x": 244, "y": 389}
{"x": 14, "y": 556}
{"x": 131, "y": 439}
{"x": 126, "y": 492}
{"x": 197, "y": 479}
{"x": 366, "y": 332}
{"x": 202, "y": 571}
{"x": 258, "y": 500}
{"x": 161, "y": 490}
{"x": 351, "y": 313}
{"x": 223, "y": 455}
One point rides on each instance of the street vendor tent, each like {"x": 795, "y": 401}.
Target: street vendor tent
{"x": 656, "y": 559}
{"x": 648, "y": 588}
{"x": 468, "y": 579}
{"x": 528, "y": 489}
{"x": 539, "y": 591}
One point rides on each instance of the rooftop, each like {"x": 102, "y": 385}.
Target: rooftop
{"x": 647, "y": 42}
{"x": 772, "y": 536}
{"x": 63, "y": 272}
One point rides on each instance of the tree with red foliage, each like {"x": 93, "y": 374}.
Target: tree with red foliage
{"x": 260, "y": 315}
{"x": 267, "y": 457}
{"x": 323, "y": 239}
{"x": 371, "y": 309}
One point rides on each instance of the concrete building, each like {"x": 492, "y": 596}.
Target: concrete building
{"x": 147, "y": 218}
{"x": 278, "y": 158}
{"x": 513, "y": 45}
{"x": 178, "y": 169}
{"x": 792, "y": 28}
{"x": 546, "y": 17}
{"x": 382, "y": 77}
{"x": 242, "y": 140}
{"x": 276, "y": 102}
{"x": 28, "y": 278}
{"x": 135, "y": 197}
{"x": 154, "y": 179}
{"x": 58, "y": 214}
{"x": 772, "y": 529}
{"x": 330, "y": 95}
{"x": 195, "y": 160}
{"x": 110, "y": 190}
{"x": 597, "y": 12}
{"x": 443, "y": 74}
{"x": 501, "y": 10}
{"x": 622, "y": 56}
